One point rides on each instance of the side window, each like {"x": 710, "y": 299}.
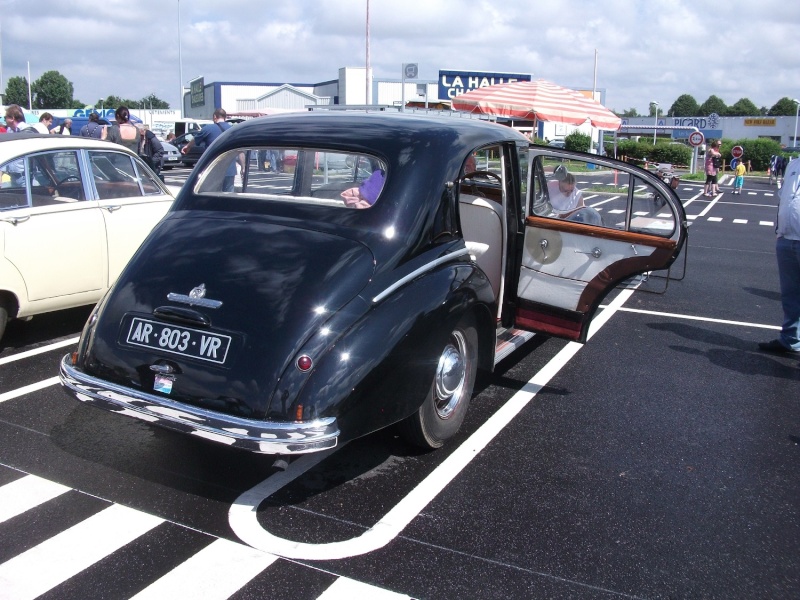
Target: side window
{"x": 482, "y": 174}
{"x": 55, "y": 177}
{"x": 584, "y": 192}
{"x": 118, "y": 175}
{"x": 13, "y": 185}
{"x": 650, "y": 212}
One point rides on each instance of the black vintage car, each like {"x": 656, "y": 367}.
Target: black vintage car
{"x": 195, "y": 152}
{"x": 363, "y": 286}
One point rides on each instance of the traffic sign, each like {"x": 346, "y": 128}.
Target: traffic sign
{"x": 696, "y": 138}
{"x": 410, "y": 70}
{"x": 737, "y": 151}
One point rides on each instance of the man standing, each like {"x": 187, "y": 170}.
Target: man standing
{"x": 150, "y": 149}
{"x": 15, "y": 123}
{"x": 45, "y": 121}
{"x": 206, "y": 136}
{"x": 787, "y": 249}
{"x": 64, "y": 128}
{"x": 15, "y": 120}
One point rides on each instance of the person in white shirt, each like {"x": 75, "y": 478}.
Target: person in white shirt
{"x": 45, "y": 121}
{"x": 565, "y": 197}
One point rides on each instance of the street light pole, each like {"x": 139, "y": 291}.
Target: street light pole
{"x": 796, "y": 114}
{"x": 655, "y": 131}
{"x": 180, "y": 63}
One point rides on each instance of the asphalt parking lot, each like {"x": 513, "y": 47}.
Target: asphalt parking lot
{"x": 657, "y": 461}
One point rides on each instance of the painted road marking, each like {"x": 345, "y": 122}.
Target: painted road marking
{"x": 35, "y": 351}
{"x": 26, "y": 493}
{"x": 216, "y": 572}
{"x": 243, "y": 514}
{"x": 72, "y": 551}
{"x": 39, "y": 385}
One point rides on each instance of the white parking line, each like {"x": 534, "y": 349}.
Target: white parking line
{"x": 72, "y": 551}
{"x": 39, "y": 385}
{"x": 243, "y": 514}
{"x": 694, "y": 318}
{"x": 35, "y": 351}
{"x": 218, "y": 571}
{"x": 25, "y": 493}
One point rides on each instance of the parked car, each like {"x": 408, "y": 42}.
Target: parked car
{"x": 297, "y": 312}
{"x": 172, "y": 156}
{"x": 72, "y": 212}
{"x": 195, "y": 152}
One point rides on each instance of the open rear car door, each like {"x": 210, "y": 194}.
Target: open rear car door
{"x": 590, "y": 223}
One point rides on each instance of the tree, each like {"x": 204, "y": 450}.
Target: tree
{"x": 684, "y": 106}
{"x": 785, "y": 107}
{"x": 52, "y": 90}
{"x": 714, "y": 104}
{"x": 16, "y": 91}
{"x": 743, "y": 108}
{"x": 153, "y": 101}
{"x": 631, "y": 112}
{"x": 653, "y": 110}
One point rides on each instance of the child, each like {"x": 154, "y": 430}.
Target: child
{"x": 739, "y": 181}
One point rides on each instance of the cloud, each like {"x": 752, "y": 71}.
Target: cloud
{"x": 656, "y": 50}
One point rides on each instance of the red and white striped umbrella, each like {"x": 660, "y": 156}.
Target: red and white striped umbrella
{"x": 540, "y": 99}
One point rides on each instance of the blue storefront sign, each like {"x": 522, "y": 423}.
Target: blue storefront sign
{"x": 709, "y": 126}
{"x": 453, "y": 83}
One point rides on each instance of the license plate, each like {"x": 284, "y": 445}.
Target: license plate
{"x": 174, "y": 339}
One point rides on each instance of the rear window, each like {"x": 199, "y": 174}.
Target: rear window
{"x": 301, "y": 175}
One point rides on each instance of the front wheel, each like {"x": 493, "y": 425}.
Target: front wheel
{"x": 446, "y": 403}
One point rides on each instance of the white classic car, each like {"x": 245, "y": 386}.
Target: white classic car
{"x": 73, "y": 210}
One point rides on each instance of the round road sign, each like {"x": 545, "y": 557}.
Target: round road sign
{"x": 737, "y": 151}
{"x": 696, "y": 138}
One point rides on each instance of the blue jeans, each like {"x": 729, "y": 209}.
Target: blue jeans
{"x": 788, "y": 253}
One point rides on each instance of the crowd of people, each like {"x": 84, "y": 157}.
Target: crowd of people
{"x": 136, "y": 137}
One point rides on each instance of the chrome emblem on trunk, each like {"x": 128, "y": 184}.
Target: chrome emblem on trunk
{"x": 197, "y": 297}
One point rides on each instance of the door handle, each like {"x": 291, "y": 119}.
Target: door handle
{"x": 595, "y": 252}
{"x": 112, "y": 207}
{"x": 15, "y": 220}
{"x": 543, "y": 245}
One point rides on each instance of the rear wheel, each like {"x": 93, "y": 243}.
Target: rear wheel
{"x": 445, "y": 406}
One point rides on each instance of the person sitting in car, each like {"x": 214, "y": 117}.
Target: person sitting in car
{"x": 565, "y": 197}
{"x": 365, "y": 194}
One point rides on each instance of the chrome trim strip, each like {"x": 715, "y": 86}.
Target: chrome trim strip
{"x": 184, "y": 299}
{"x": 417, "y": 272}
{"x": 264, "y": 437}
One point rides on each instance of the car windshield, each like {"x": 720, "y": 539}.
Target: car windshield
{"x": 301, "y": 175}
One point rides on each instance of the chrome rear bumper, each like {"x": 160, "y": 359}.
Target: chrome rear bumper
{"x": 264, "y": 437}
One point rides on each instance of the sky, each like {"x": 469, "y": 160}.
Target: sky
{"x": 646, "y": 51}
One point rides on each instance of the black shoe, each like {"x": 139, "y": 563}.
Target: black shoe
{"x": 776, "y": 347}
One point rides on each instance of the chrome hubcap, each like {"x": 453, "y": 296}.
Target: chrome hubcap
{"x": 451, "y": 373}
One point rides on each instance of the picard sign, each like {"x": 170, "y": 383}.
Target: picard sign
{"x": 760, "y": 122}
{"x": 454, "y": 83}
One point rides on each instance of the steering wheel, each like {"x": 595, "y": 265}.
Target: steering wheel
{"x": 484, "y": 175}
{"x": 71, "y": 193}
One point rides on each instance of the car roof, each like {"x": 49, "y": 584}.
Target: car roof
{"x": 370, "y": 127}
{"x": 14, "y": 144}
